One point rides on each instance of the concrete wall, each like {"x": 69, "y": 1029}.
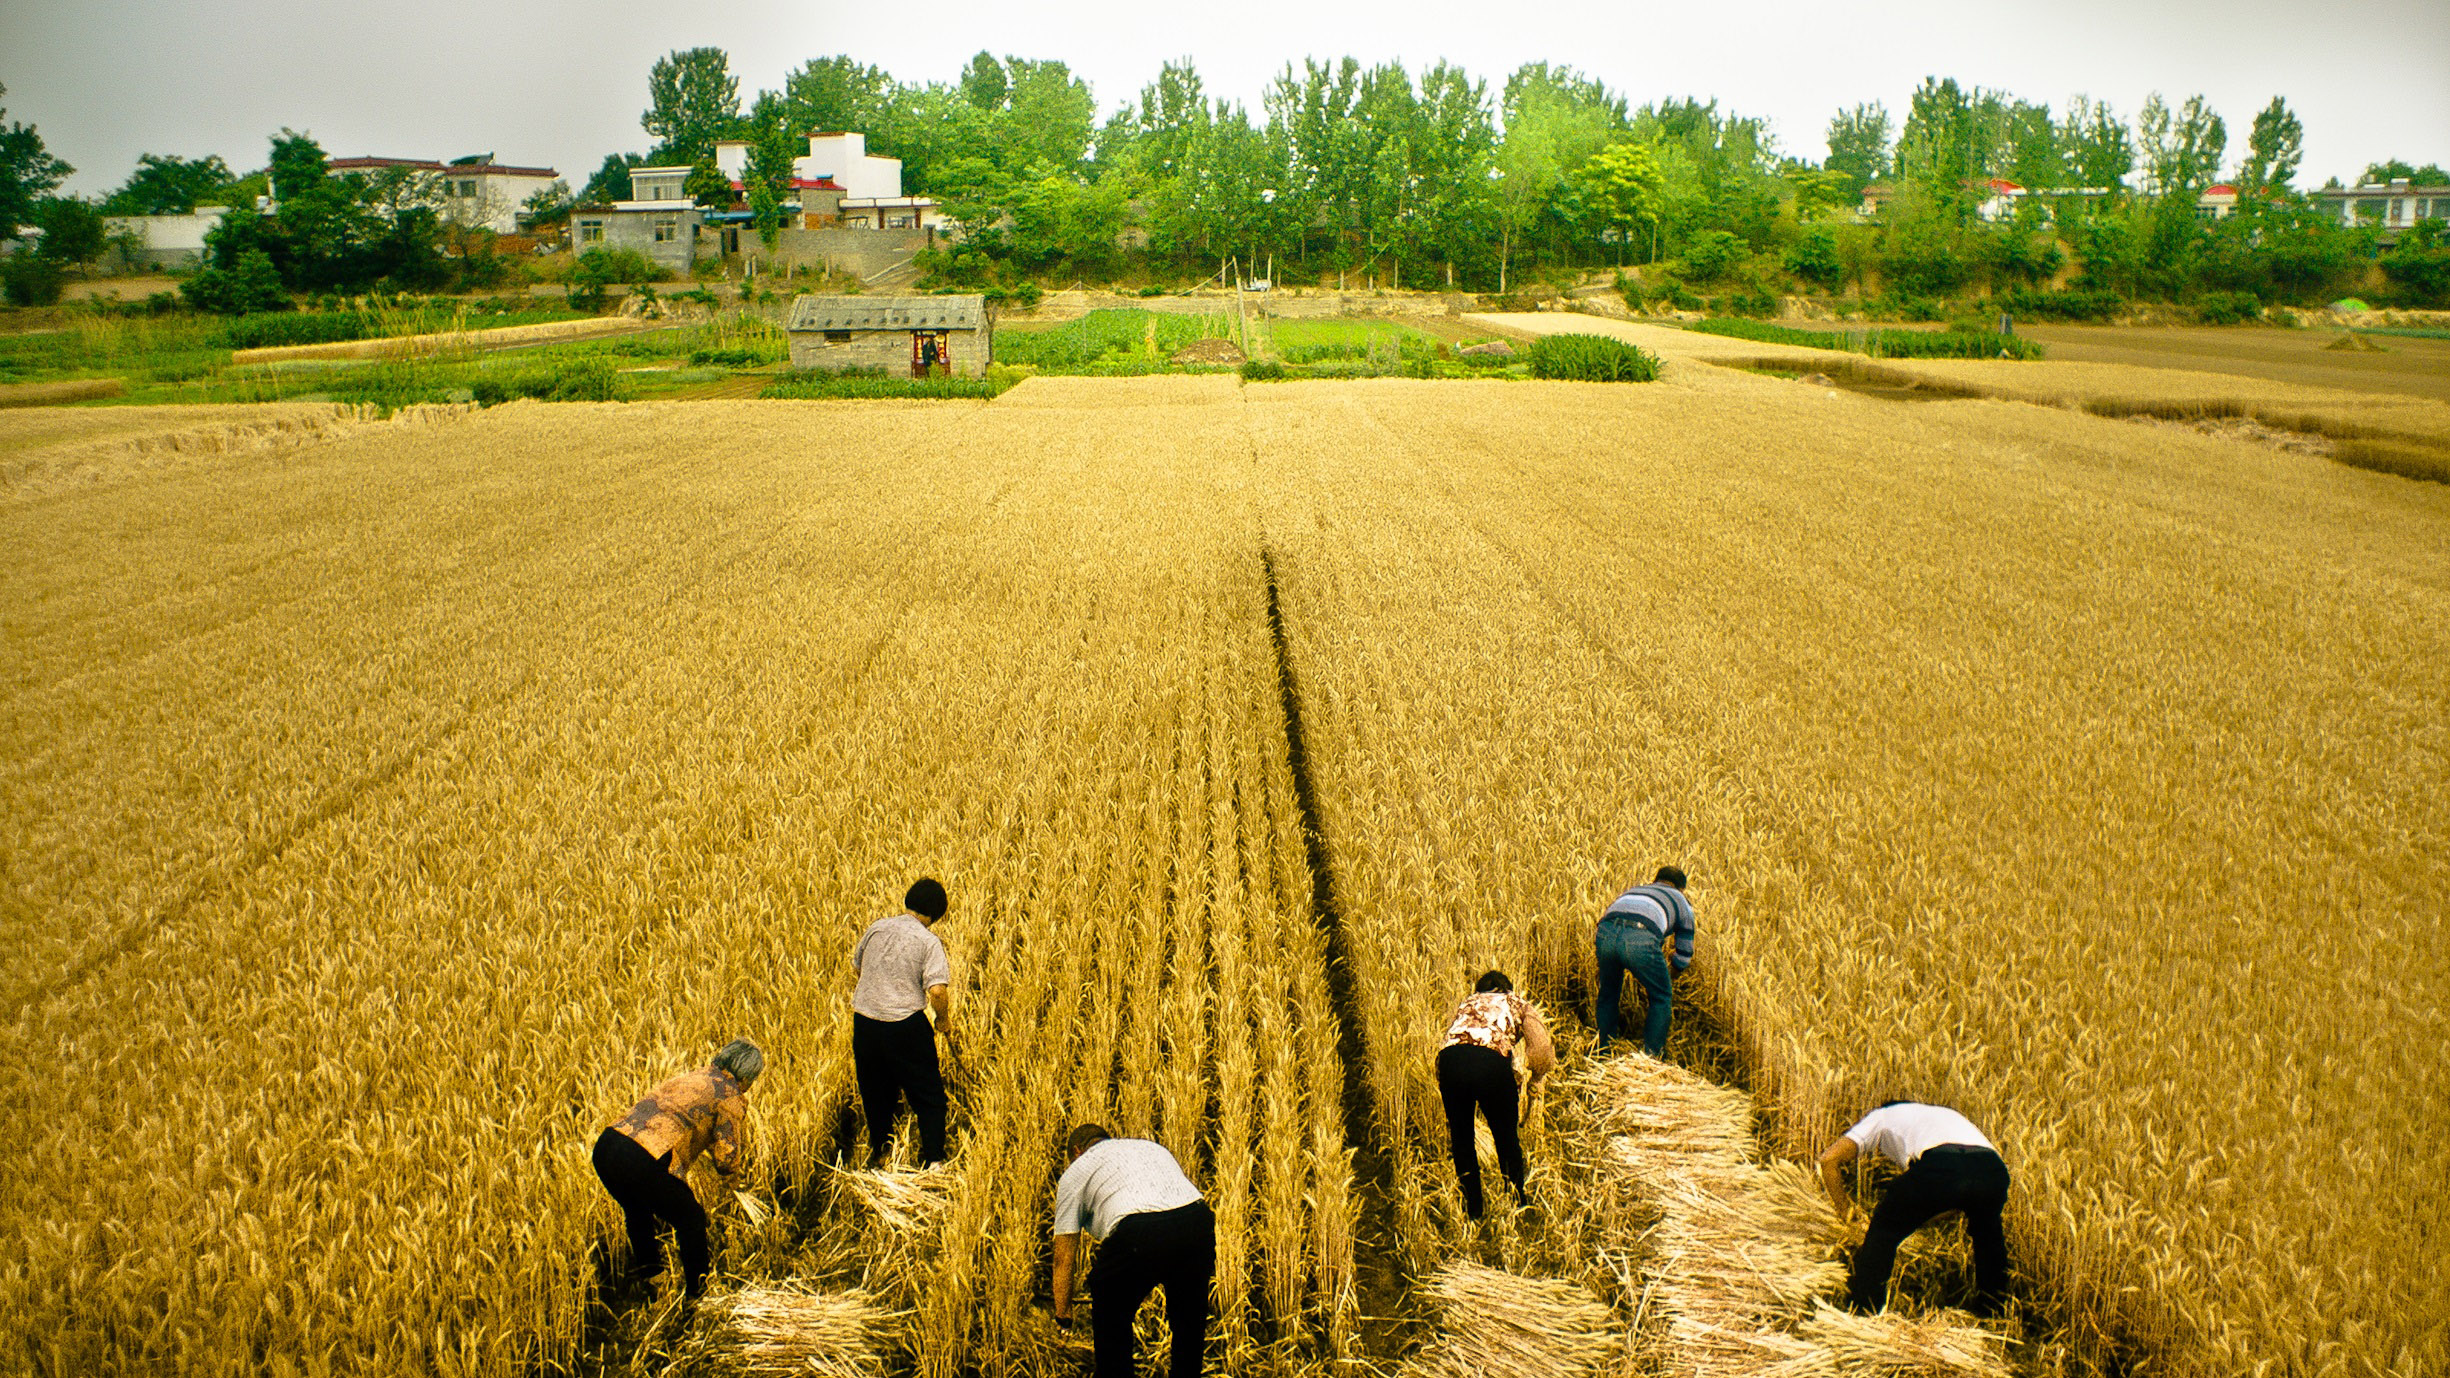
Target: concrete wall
{"x": 171, "y": 241}
{"x": 863, "y": 253}
{"x": 888, "y": 350}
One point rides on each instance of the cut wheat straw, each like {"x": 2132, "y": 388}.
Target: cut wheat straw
{"x": 1743, "y": 1250}
{"x": 793, "y": 1330}
{"x": 1499, "y": 1325}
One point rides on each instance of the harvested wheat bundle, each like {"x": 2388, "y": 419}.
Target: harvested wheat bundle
{"x": 904, "y": 1203}
{"x": 1499, "y": 1325}
{"x": 1740, "y": 1249}
{"x": 1944, "y": 1344}
{"x": 786, "y": 1329}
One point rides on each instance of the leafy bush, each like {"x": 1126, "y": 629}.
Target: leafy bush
{"x": 267, "y": 329}
{"x": 252, "y": 285}
{"x": 29, "y": 279}
{"x": 2097, "y": 304}
{"x": 1712, "y": 255}
{"x": 1752, "y": 301}
{"x": 1591, "y": 359}
{"x": 2228, "y": 308}
{"x": 864, "y": 383}
{"x": 576, "y": 380}
{"x": 1890, "y": 344}
{"x": 1152, "y": 290}
{"x": 1813, "y": 259}
{"x": 1262, "y": 371}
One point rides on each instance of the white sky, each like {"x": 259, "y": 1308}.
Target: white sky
{"x": 562, "y": 83}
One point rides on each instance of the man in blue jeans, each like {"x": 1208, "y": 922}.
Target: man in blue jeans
{"x": 1632, "y": 937}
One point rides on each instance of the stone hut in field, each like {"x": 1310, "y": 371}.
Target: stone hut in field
{"x": 905, "y": 336}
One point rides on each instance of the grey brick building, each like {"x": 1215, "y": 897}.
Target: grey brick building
{"x": 904, "y": 336}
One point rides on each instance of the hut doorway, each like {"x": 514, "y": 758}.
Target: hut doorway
{"x": 929, "y": 350}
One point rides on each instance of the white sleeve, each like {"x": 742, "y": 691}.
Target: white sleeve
{"x": 1069, "y": 1217}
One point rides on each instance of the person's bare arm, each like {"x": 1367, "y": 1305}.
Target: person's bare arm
{"x": 1539, "y": 1050}
{"x": 1838, "y": 1154}
{"x": 940, "y": 999}
{"x": 1067, "y": 1252}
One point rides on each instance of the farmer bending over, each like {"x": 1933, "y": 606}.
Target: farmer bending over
{"x": 903, "y": 973}
{"x": 644, "y": 1160}
{"x": 1949, "y": 1166}
{"x": 1631, "y": 938}
{"x": 1476, "y": 1072}
{"x": 1153, "y": 1228}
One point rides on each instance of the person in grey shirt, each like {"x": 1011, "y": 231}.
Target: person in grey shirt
{"x": 1155, "y": 1230}
{"x": 903, "y": 973}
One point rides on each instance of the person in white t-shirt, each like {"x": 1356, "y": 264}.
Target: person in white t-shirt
{"x": 904, "y": 976}
{"x": 1949, "y": 1166}
{"x": 1154, "y": 1230}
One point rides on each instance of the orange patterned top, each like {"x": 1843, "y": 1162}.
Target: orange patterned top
{"x": 1497, "y": 1020}
{"x": 696, "y": 1112}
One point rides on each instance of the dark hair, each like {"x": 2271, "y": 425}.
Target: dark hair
{"x": 925, "y": 897}
{"x": 1669, "y": 875}
{"x": 1901, "y": 1101}
{"x": 1495, "y": 980}
{"x": 1086, "y": 1137}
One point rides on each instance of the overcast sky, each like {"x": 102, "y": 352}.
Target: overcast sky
{"x": 562, "y": 83}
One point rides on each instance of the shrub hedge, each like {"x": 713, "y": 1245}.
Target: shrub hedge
{"x": 1591, "y": 359}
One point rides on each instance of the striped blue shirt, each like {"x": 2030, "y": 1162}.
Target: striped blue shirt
{"x": 1666, "y": 910}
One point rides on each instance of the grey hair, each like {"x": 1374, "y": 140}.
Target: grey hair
{"x": 741, "y": 1061}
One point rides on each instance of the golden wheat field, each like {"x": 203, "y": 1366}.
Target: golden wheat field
{"x": 389, "y": 802}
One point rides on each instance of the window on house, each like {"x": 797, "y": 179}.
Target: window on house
{"x": 667, "y": 229}
{"x": 591, "y": 232}
{"x": 837, "y": 337}
{"x": 467, "y": 189}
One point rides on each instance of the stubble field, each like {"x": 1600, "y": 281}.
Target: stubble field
{"x": 389, "y": 804}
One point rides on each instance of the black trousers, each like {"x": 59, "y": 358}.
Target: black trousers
{"x": 894, "y": 1060}
{"x": 647, "y": 1192}
{"x": 1472, "y": 1078}
{"x": 1173, "y": 1249}
{"x": 1952, "y": 1177}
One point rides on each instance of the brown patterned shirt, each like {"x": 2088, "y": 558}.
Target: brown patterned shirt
{"x": 1497, "y": 1020}
{"x": 696, "y": 1112}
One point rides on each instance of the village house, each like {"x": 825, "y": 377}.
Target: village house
{"x": 840, "y": 185}
{"x": 658, "y": 220}
{"x": 478, "y": 193}
{"x": 905, "y": 336}
{"x": 2392, "y": 206}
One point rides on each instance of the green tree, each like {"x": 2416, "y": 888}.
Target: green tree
{"x": 28, "y": 172}
{"x": 167, "y": 185}
{"x": 2273, "y": 148}
{"x": 73, "y": 232}
{"x": 983, "y": 83}
{"x": 248, "y": 285}
{"x": 1047, "y": 118}
{"x": 707, "y": 186}
{"x": 2181, "y": 149}
{"x": 693, "y": 100}
{"x": 1859, "y": 147}
{"x": 611, "y": 181}
{"x": 547, "y": 205}
{"x": 1814, "y": 258}
{"x": 832, "y": 94}
{"x": 1555, "y": 120}
{"x": 2429, "y": 175}
{"x": 2093, "y": 145}
{"x": 2418, "y": 266}
{"x": 1623, "y": 186}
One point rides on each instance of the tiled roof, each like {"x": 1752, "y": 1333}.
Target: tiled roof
{"x": 889, "y": 313}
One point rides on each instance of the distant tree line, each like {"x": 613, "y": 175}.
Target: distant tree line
{"x": 1428, "y": 180}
